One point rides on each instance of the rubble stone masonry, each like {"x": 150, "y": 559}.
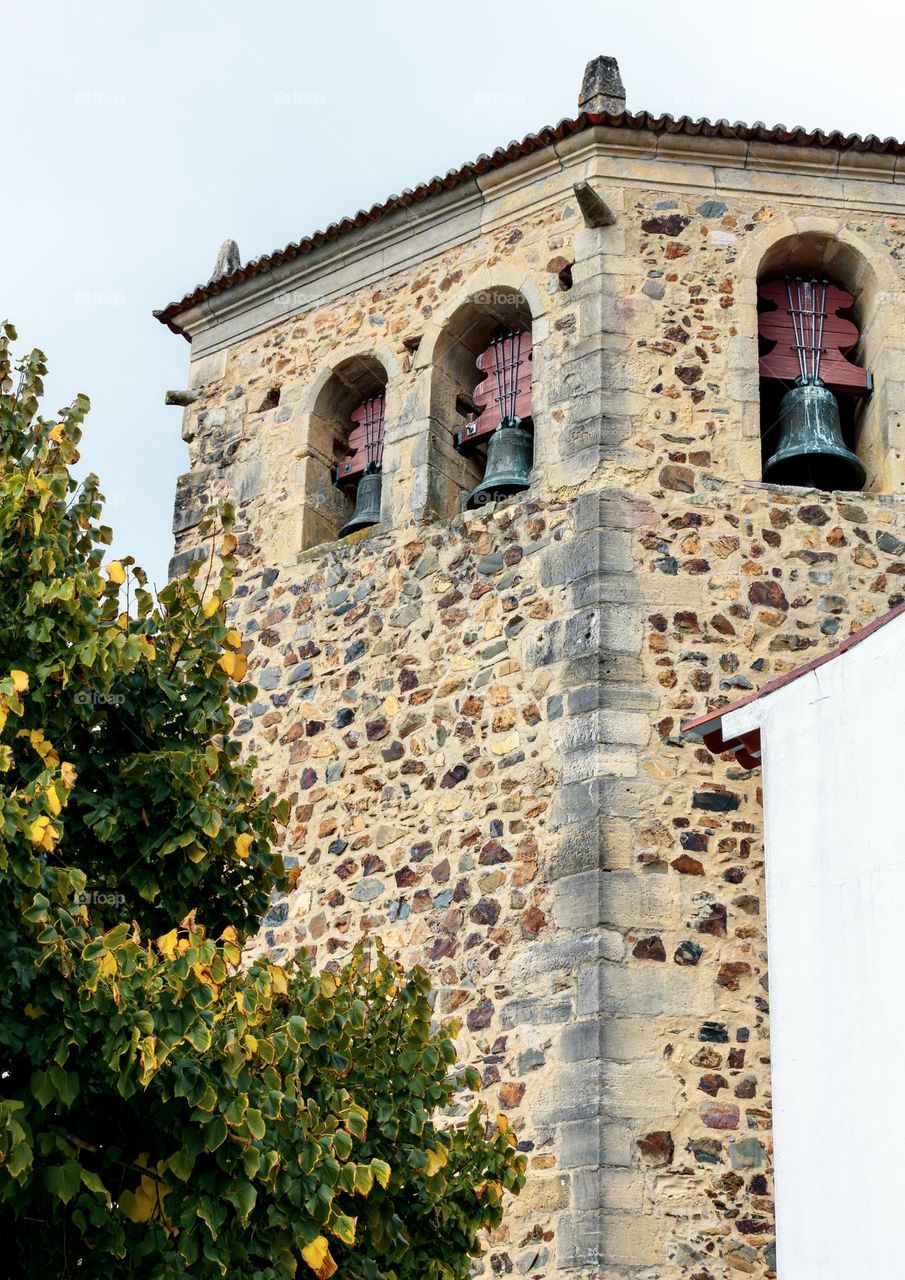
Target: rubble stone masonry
{"x": 476, "y": 716}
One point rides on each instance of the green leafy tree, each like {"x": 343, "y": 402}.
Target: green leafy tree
{"x": 165, "y": 1111}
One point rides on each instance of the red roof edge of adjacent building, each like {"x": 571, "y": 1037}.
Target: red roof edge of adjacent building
{"x": 709, "y": 727}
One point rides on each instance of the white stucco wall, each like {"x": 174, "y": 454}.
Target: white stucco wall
{"x": 833, "y": 747}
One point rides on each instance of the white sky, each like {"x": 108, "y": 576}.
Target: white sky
{"x": 139, "y": 136}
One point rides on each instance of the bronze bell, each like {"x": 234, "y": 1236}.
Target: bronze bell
{"x": 367, "y": 503}
{"x": 811, "y": 451}
{"x": 510, "y": 455}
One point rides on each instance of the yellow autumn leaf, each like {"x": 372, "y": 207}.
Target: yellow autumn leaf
{"x": 53, "y": 801}
{"x": 317, "y": 1255}
{"x": 229, "y": 544}
{"x": 203, "y": 974}
{"x": 233, "y": 639}
{"x": 436, "y": 1161}
{"x": 211, "y": 606}
{"x": 278, "y": 979}
{"x": 32, "y": 1011}
{"x": 68, "y": 774}
{"x": 227, "y": 661}
{"x": 108, "y": 964}
{"x": 502, "y": 1123}
{"x": 234, "y": 664}
{"x": 116, "y": 573}
{"x": 166, "y": 944}
{"x": 41, "y": 745}
{"x": 20, "y": 680}
{"x": 138, "y": 1205}
{"x": 493, "y": 1191}
{"x": 243, "y": 845}
{"x": 57, "y": 433}
{"x": 42, "y": 833}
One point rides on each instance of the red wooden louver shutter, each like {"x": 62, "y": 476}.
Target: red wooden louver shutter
{"x": 505, "y": 369}
{"x": 365, "y": 443}
{"x": 805, "y": 318}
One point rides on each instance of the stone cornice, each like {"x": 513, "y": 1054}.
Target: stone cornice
{"x": 409, "y": 234}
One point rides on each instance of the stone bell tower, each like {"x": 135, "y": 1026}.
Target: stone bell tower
{"x": 475, "y": 710}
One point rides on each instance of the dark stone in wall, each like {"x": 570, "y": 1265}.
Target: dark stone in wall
{"x": 715, "y": 801}
{"x": 678, "y": 478}
{"x": 713, "y": 920}
{"x": 706, "y": 1150}
{"x": 712, "y": 209}
{"x": 657, "y": 1148}
{"x": 688, "y": 953}
{"x": 687, "y": 866}
{"x": 649, "y": 949}
{"x": 672, "y": 224}
{"x": 889, "y": 543}
{"x": 768, "y": 592}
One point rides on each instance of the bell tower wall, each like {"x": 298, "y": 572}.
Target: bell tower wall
{"x": 475, "y": 715}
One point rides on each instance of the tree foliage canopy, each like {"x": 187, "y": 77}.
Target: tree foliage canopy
{"x": 165, "y": 1111}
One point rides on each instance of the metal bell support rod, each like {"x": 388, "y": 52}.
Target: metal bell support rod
{"x": 370, "y": 485}
{"x": 811, "y": 451}
{"x": 510, "y": 450}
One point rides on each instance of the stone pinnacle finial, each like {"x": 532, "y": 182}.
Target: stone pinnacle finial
{"x": 228, "y": 260}
{"x": 602, "y": 88}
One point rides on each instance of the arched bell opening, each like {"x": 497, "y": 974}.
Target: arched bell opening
{"x": 349, "y": 421}
{"x": 814, "y": 383}
{"x": 482, "y": 397}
